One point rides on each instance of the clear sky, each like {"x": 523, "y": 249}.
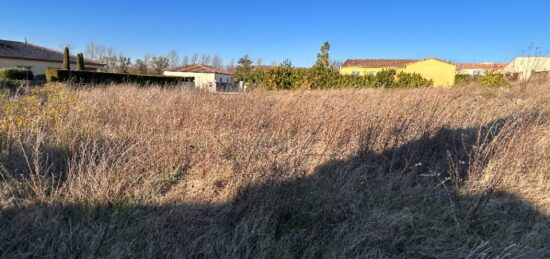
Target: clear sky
{"x": 460, "y": 31}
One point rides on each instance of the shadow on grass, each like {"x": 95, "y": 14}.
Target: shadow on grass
{"x": 389, "y": 204}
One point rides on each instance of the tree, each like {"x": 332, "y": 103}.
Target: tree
{"x": 185, "y": 61}
{"x": 335, "y": 64}
{"x": 80, "y": 62}
{"x": 173, "y": 59}
{"x": 205, "y": 59}
{"x": 66, "y": 59}
{"x": 123, "y": 63}
{"x": 159, "y": 64}
{"x": 244, "y": 67}
{"x": 141, "y": 66}
{"x": 323, "y": 59}
{"x": 217, "y": 61}
{"x": 194, "y": 59}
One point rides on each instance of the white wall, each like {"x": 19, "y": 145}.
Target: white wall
{"x": 203, "y": 80}
{"x": 525, "y": 66}
{"x": 37, "y": 67}
{"x": 472, "y": 71}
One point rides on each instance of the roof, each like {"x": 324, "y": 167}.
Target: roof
{"x": 484, "y": 65}
{"x": 385, "y": 63}
{"x": 378, "y": 62}
{"x": 201, "y": 69}
{"x": 28, "y": 51}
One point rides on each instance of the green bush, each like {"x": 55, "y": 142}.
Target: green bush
{"x": 466, "y": 79}
{"x": 15, "y": 74}
{"x": 414, "y": 80}
{"x": 66, "y": 59}
{"x": 89, "y": 77}
{"x": 80, "y": 62}
{"x": 318, "y": 77}
{"x": 493, "y": 80}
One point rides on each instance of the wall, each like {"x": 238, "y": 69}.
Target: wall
{"x": 525, "y": 66}
{"x": 202, "y": 80}
{"x": 362, "y": 70}
{"x": 224, "y": 78}
{"x": 472, "y": 71}
{"x": 37, "y": 67}
{"x": 442, "y": 73}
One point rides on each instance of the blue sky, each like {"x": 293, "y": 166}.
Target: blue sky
{"x": 460, "y": 31}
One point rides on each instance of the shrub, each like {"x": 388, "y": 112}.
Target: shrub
{"x": 66, "y": 59}
{"x": 466, "y": 79}
{"x": 80, "y": 62}
{"x": 414, "y": 80}
{"x": 384, "y": 78}
{"x": 89, "y": 77}
{"x": 318, "y": 77}
{"x": 493, "y": 80}
{"x": 15, "y": 74}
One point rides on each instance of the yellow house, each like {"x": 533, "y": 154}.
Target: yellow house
{"x": 441, "y": 72}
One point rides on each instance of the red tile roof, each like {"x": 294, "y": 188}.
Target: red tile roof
{"x": 201, "y": 69}
{"x": 383, "y": 63}
{"x": 28, "y": 51}
{"x": 482, "y": 66}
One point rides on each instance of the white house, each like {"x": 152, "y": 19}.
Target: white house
{"x": 480, "y": 69}
{"x": 525, "y": 67}
{"x": 206, "y": 77}
{"x": 36, "y": 58}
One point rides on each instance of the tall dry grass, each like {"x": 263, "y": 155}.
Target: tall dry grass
{"x": 123, "y": 171}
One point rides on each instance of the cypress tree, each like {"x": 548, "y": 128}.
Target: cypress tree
{"x": 66, "y": 60}
{"x": 80, "y": 62}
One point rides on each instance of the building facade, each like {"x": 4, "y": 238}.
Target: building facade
{"x": 206, "y": 77}
{"x": 526, "y": 67}
{"x": 480, "y": 69}
{"x": 441, "y": 72}
{"x": 36, "y": 58}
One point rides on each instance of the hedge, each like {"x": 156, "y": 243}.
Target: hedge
{"x": 89, "y": 77}
{"x": 287, "y": 77}
{"x": 15, "y": 74}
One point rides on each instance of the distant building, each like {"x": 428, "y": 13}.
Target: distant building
{"x": 480, "y": 69}
{"x": 526, "y": 67}
{"x": 36, "y": 58}
{"x": 206, "y": 77}
{"x": 441, "y": 72}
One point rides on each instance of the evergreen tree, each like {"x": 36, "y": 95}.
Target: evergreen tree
{"x": 80, "y": 62}
{"x": 244, "y": 68}
{"x": 323, "y": 59}
{"x": 66, "y": 59}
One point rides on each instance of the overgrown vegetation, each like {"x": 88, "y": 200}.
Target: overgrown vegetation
{"x": 89, "y": 77}
{"x": 127, "y": 171}
{"x": 66, "y": 59}
{"x": 322, "y": 76}
{"x": 15, "y": 74}
{"x": 80, "y": 62}
{"x": 491, "y": 80}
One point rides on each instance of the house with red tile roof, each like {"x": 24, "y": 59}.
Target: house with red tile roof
{"x": 480, "y": 69}
{"x": 441, "y": 72}
{"x": 36, "y": 58}
{"x": 206, "y": 77}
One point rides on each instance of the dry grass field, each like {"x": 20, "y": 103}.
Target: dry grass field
{"x": 123, "y": 171}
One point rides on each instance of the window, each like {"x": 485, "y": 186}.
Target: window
{"x": 372, "y": 73}
{"x": 355, "y": 73}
